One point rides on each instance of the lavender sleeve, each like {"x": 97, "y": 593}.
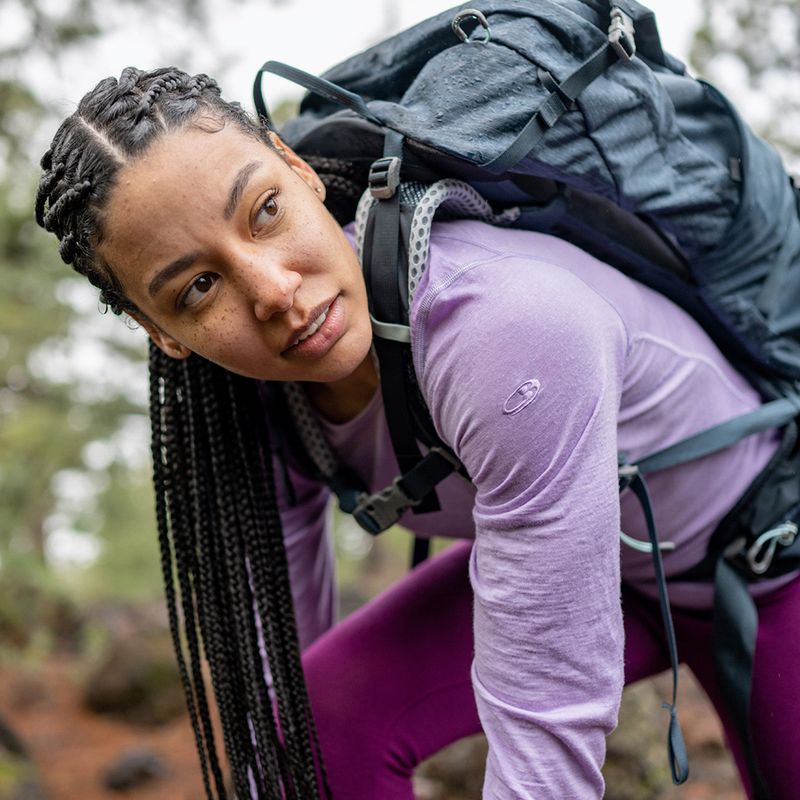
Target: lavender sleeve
{"x": 306, "y": 524}
{"x": 522, "y": 365}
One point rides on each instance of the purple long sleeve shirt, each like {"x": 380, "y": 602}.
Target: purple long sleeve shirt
{"x": 539, "y": 364}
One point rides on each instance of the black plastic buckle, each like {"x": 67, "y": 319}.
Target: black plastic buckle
{"x": 377, "y": 512}
{"x": 620, "y": 34}
{"x": 384, "y": 177}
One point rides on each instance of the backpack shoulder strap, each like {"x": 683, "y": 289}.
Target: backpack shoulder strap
{"x": 393, "y": 268}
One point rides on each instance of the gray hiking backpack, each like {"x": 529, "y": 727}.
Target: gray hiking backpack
{"x": 569, "y": 118}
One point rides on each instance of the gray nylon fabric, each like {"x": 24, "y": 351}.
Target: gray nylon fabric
{"x": 654, "y": 141}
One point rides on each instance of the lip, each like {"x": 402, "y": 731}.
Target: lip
{"x": 310, "y": 317}
{"x": 325, "y": 337}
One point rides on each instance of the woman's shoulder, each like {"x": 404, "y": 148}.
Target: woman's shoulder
{"x": 514, "y": 266}
{"x": 503, "y": 283}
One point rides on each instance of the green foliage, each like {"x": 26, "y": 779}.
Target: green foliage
{"x": 129, "y": 566}
{"x": 44, "y": 417}
{"x": 54, "y": 403}
{"x": 283, "y": 112}
{"x": 37, "y": 615}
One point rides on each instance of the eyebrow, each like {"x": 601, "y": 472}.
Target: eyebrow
{"x": 169, "y": 272}
{"x": 238, "y": 187}
{"x": 184, "y": 262}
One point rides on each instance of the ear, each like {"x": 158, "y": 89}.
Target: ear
{"x": 298, "y": 165}
{"x": 163, "y": 341}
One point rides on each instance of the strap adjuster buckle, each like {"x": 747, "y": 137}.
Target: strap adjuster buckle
{"x": 384, "y": 177}
{"x": 620, "y": 34}
{"x": 379, "y": 511}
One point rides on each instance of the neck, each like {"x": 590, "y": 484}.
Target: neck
{"x": 340, "y": 401}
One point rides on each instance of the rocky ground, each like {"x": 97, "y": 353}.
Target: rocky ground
{"x": 78, "y": 754}
{"x": 98, "y": 714}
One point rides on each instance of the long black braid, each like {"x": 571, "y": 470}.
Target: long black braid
{"x": 225, "y": 570}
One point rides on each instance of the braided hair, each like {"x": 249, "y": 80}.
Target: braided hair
{"x": 224, "y": 564}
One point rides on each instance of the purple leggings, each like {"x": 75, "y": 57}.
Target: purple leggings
{"x": 390, "y": 686}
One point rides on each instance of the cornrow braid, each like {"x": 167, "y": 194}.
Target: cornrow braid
{"x": 223, "y": 559}
{"x": 113, "y": 125}
{"x": 52, "y": 176}
{"x": 71, "y": 196}
{"x": 165, "y": 83}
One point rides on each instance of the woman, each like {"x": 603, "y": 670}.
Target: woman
{"x": 538, "y": 364}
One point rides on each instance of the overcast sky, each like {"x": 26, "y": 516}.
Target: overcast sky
{"x": 310, "y": 34}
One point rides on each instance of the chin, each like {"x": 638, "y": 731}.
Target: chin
{"x": 343, "y": 365}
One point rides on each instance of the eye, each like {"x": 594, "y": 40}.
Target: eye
{"x": 199, "y": 287}
{"x": 268, "y": 210}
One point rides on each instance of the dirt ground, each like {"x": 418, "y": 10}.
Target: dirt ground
{"x": 73, "y": 748}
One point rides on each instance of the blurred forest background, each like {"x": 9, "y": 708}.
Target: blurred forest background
{"x": 89, "y": 700}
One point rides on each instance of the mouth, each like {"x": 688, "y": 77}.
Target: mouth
{"x": 317, "y": 316}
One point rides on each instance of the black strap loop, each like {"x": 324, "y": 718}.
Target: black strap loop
{"x": 313, "y": 83}
{"x": 678, "y": 759}
{"x": 676, "y": 747}
{"x": 734, "y": 628}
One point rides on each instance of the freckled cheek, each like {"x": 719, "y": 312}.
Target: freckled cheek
{"x": 206, "y": 336}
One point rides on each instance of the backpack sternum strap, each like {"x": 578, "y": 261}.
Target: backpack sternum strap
{"x": 379, "y": 511}
{"x": 774, "y": 414}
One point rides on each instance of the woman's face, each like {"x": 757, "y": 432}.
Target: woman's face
{"x": 227, "y": 249}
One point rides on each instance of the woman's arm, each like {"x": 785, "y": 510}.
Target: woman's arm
{"x": 522, "y": 370}
{"x": 309, "y": 549}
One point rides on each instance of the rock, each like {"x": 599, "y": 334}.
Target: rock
{"x": 426, "y": 789}
{"x": 636, "y": 755}
{"x": 133, "y": 769}
{"x": 455, "y": 772}
{"x": 32, "y": 610}
{"x": 137, "y": 680}
{"x": 18, "y": 778}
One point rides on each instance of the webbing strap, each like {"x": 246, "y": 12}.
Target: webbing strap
{"x": 420, "y": 551}
{"x": 314, "y": 84}
{"x": 734, "y": 626}
{"x": 382, "y": 274}
{"x": 552, "y": 109}
{"x": 676, "y": 747}
{"x": 774, "y": 414}
{"x": 379, "y": 511}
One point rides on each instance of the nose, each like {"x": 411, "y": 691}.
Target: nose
{"x": 273, "y": 288}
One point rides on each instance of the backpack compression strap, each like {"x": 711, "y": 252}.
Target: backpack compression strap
{"x": 735, "y": 617}
{"x": 620, "y": 45}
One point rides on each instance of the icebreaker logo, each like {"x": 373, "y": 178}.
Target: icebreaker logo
{"x": 522, "y": 396}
